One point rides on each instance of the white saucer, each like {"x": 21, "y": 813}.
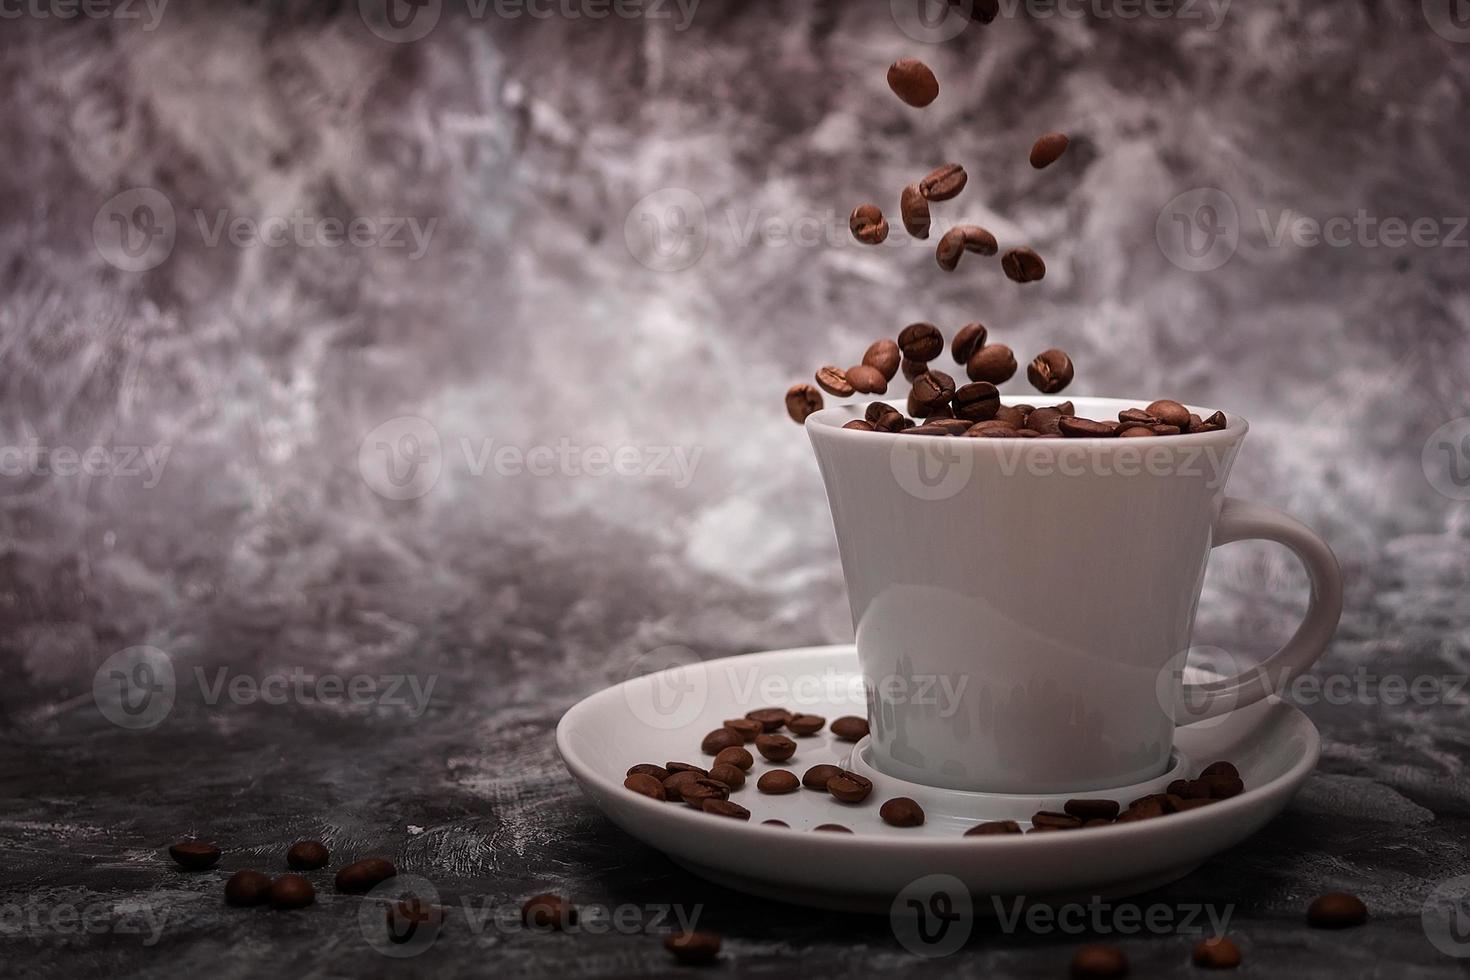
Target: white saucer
{"x": 662, "y": 717}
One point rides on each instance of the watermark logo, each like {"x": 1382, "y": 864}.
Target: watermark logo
{"x": 1446, "y": 917}
{"x": 1103, "y": 918}
{"x": 50, "y": 921}
{"x": 135, "y": 688}
{"x": 121, "y": 10}
{"x": 1446, "y": 459}
{"x": 1450, "y": 19}
{"x": 400, "y": 21}
{"x": 930, "y": 467}
{"x": 937, "y": 21}
{"x": 401, "y": 917}
{"x": 933, "y": 915}
{"x": 676, "y": 693}
{"x": 1199, "y": 686}
{"x": 401, "y": 459}
{"x": 668, "y": 230}
{"x": 135, "y": 230}
{"x": 1199, "y": 230}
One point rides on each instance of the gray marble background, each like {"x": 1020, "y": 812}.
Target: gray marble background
{"x": 629, "y": 234}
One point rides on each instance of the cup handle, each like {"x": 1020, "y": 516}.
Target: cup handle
{"x": 1240, "y": 520}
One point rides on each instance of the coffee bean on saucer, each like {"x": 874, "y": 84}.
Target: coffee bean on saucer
{"x": 915, "y": 210}
{"x": 1022, "y": 265}
{"x": 1216, "y": 953}
{"x": 361, "y": 876}
{"x": 1096, "y": 822}
{"x": 993, "y": 827}
{"x": 835, "y": 828}
{"x": 1066, "y": 408}
{"x": 1220, "y": 769}
{"x": 1047, "y": 149}
{"x": 731, "y": 776}
{"x": 649, "y": 769}
{"x": 778, "y": 782}
{"x": 967, "y": 340}
{"x": 961, "y": 239}
{"x": 247, "y": 888}
{"x": 776, "y": 748}
{"x": 724, "y": 808}
{"x": 770, "y": 718}
{"x": 1183, "y": 806}
{"x": 647, "y": 785}
{"x": 702, "y": 788}
{"x": 913, "y": 82}
{"x": 952, "y": 427}
{"x": 943, "y": 183}
{"x": 1053, "y": 820}
{"x": 1099, "y": 962}
{"x": 850, "y": 728}
{"x": 1075, "y": 428}
{"x": 747, "y": 727}
{"x": 693, "y": 947}
{"x": 193, "y": 855}
{"x": 883, "y": 355}
{"x": 677, "y": 767}
{"x": 291, "y": 892}
{"x": 1336, "y": 910}
{"x": 674, "y": 785}
{"x": 920, "y": 342}
{"x": 548, "y": 911}
{"x": 868, "y": 224}
{"x": 801, "y": 401}
{"x": 994, "y": 363}
{"x": 1169, "y": 412}
{"x": 849, "y": 787}
{"x": 308, "y": 855}
{"x": 1177, "y": 787}
{"x": 800, "y": 724}
{"x": 1092, "y": 809}
{"x": 1172, "y": 802}
{"x": 976, "y": 401}
{"x": 866, "y": 380}
{"x": 720, "y": 738}
{"x": 818, "y": 776}
{"x": 834, "y": 381}
{"x": 1223, "y": 787}
{"x": 735, "y": 756}
{"x": 775, "y": 823}
{"x": 1050, "y": 371}
{"x": 901, "y": 812}
{"x": 1144, "y": 808}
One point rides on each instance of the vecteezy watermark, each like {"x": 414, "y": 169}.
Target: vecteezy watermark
{"x": 1446, "y": 459}
{"x": 119, "y": 462}
{"x": 1101, "y": 918}
{"x": 40, "y": 921}
{"x": 149, "y": 12}
{"x": 937, "y": 21}
{"x": 401, "y": 917}
{"x": 135, "y": 230}
{"x": 676, "y": 689}
{"x": 1199, "y": 686}
{"x": 932, "y": 916}
{"x": 668, "y": 230}
{"x": 1446, "y": 917}
{"x": 1198, "y": 230}
{"x": 1450, "y": 19}
{"x": 135, "y": 688}
{"x": 403, "y": 21}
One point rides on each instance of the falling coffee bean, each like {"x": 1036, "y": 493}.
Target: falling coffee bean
{"x": 931, "y": 390}
{"x": 731, "y": 776}
{"x": 967, "y": 340}
{"x": 834, "y": 381}
{"x": 308, "y": 855}
{"x": 548, "y": 911}
{"x": 866, "y": 380}
{"x": 1092, "y": 809}
{"x": 849, "y": 787}
{"x": 247, "y": 888}
{"x": 1336, "y": 910}
{"x": 993, "y": 827}
{"x": 801, "y": 401}
{"x": 944, "y": 183}
{"x": 778, "y": 782}
{"x": 914, "y": 207}
{"x": 1047, "y": 149}
{"x": 818, "y": 776}
{"x": 194, "y": 855}
{"x": 693, "y": 947}
{"x": 361, "y": 876}
{"x": 645, "y": 784}
{"x": 291, "y": 892}
{"x": 901, "y": 812}
{"x": 724, "y": 808}
{"x": 776, "y": 748}
{"x": 1023, "y": 265}
{"x": 1169, "y": 412}
{"x": 883, "y": 355}
{"x": 921, "y": 342}
{"x": 833, "y": 828}
{"x": 913, "y": 82}
{"x": 769, "y": 718}
{"x": 994, "y": 363}
{"x": 720, "y": 738}
{"x": 977, "y": 401}
{"x": 702, "y": 788}
{"x": 961, "y": 239}
{"x": 850, "y": 728}
{"x": 1099, "y": 962}
{"x": 1050, "y": 371}
{"x": 799, "y": 724}
{"x": 735, "y": 756}
{"x": 1217, "y": 953}
{"x": 868, "y": 224}
{"x": 649, "y": 769}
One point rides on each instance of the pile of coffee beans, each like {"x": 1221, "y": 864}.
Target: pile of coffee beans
{"x": 248, "y": 887}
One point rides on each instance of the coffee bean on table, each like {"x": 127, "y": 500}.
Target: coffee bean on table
{"x": 849, "y": 787}
{"x": 1075, "y": 428}
{"x": 801, "y": 401}
{"x": 724, "y": 808}
{"x": 976, "y": 401}
{"x": 776, "y": 748}
{"x": 291, "y": 892}
{"x": 735, "y": 756}
{"x": 817, "y": 776}
{"x": 778, "y": 782}
{"x": 649, "y": 769}
{"x": 677, "y": 767}
{"x": 943, "y": 183}
{"x": 901, "y": 812}
{"x": 1047, "y": 149}
{"x": 883, "y": 355}
{"x": 1099, "y": 962}
{"x": 913, "y": 82}
{"x": 866, "y": 380}
{"x": 702, "y": 788}
{"x": 800, "y": 724}
{"x": 961, "y": 239}
{"x": 1023, "y": 265}
{"x": 308, "y": 855}
{"x": 1216, "y": 953}
{"x": 643, "y": 783}
{"x": 674, "y": 785}
{"x": 1092, "y": 809}
{"x": 850, "y": 728}
{"x": 994, "y": 363}
{"x": 361, "y": 876}
{"x": 1050, "y": 371}
{"x": 967, "y": 340}
{"x": 770, "y": 718}
{"x": 868, "y": 224}
{"x": 247, "y": 888}
{"x": 993, "y": 827}
{"x": 1169, "y": 412}
{"x": 915, "y": 210}
{"x": 1336, "y": 910}
{"x": 548, "y": 911}
{"x": 834, "y": 381}
{"x": 747, "y": 727}
{"x": 720, "y": 738}
{"x": 731, "y": 776}
{"x": 835, "y": 828}
{"x": 1055, "y": 821}
{"x": 920, "y": 342}
{"x": 193, "y": 855}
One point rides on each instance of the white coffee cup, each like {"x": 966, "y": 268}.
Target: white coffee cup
{"x": 1023, "y": 607}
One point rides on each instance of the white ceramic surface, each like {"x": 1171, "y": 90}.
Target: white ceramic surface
{"x": 1051, "y": 586}
{"x": 1274, "y": 746}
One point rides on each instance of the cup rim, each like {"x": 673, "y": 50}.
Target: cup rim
{"x": 830, "y": 421}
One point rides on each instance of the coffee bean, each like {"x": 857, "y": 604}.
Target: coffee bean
{"x": 1336, "y": 910}
{"x": 645, "y": 784}
{"x": 193, "y": 855}
{"x": 1221, "y": 768}
{"x": 778, "y": 782}
{"x": 1169, "y": 412}
{"x": 901, "y": 812}
{"x": 291, "y": 892}
{"x": 991, "y": 428}
{"x": 849, "y": 787}
{"x": 1099, "y": 962}
{"x": 1023, "y": 265}
{"x": 1132, "y": 430}
{"x": 1045, "y": 421}
{"x": 801, "y": 401}
{"x": 944, "y": 183}
{"x": 1092, "y": 809}
{"x": 941, "y": 412}
{"x": 893, "y": 421}
{"x": 921, "y": 342}
{"x": 912, "y": 369}
{"x": 1217, "y": 953}
{"x": 770, "y": 718}
{"x": 308, "y": 855}
{"x": 1195, "y": 789}
{"x": 361, "y": 876}
{"x": 548, "y": 911}
{"x": 1177, "y": 787}
{"x": 834, "y": 381}
{"x": 860, "y": 426}
{"x": 1074, "y": 428}
{"x": 877, "y": 410}
{"x": 883, "y": 355}
{"x": 735, "y": 756}
{"x": 1195, "y": 423}
{"x": 850, "y": 728}
{"x": 1054, "y": 820}
{"x": 927, "y": 430}
{"x": 800, "y": 724}
{"x": 674, "y": 785}
{"x": 984, "y": 11}
{"x": 406, "y": 918}
{"x": 1172, "y": 802}
{"x": 649, "y": 769}
{"x": 702, "y": 788}
{"x": 977, "y": 401}
{"x": 993, "y": 827}
{"x": 775, "y": 823}
{"x": 932, "y": 389}
{"x": 835, "y": 828}
{"x": 1050, "y": 371}
{"x": 1047, "y": 148}
{"x": 731, "y": 776}
{"x": 776, "y": 748}
{"x": 915, "y": 210}
{"x": 1223, "y": 787}
{"x": 720, "y": 738}
{"x": 967, "y": 340}
{"x": 724, "y": 808}
{"x": 247, "y": 888}
{"x": 961, "y": 239}
{"x": 818, "y": 776}
{"x": 866, "y": 380}
{"x": 677, "y": 767}
{"x": 913, "y": 82}
{"x": 1136, "y": 416}
{"x": 994, "y": 363}
{"x": 868, "y": 224}
{"x": 1066, "y": 408}
{"x": 748, "y": 728}
{"x": 1214, "y": 423}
